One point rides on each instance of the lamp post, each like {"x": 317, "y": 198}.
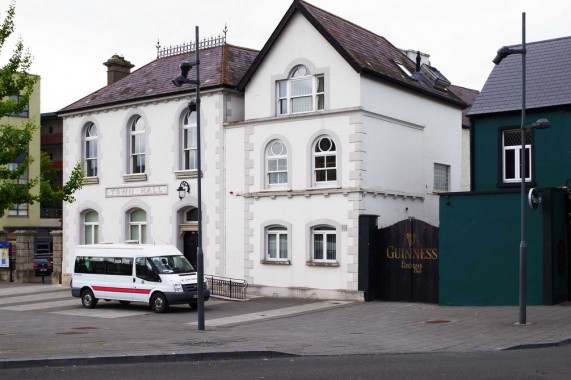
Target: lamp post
{"x": 502, "y": 53}
{"x": 194, "y": 105}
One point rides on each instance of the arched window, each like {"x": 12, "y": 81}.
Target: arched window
{"x": 301, "y": 92}
{"x": 324, "y": 243}
{"x": 137, "y": 145}
{"x": 91, "y": 227}
{"x": 276, "y": 164}
{"x": 276, "y": 243}
{"x": 189, "y": 142}
{"x": 138, "y": 226}
{"x": 90, "y": 150}
{"x": 324, "y": 161}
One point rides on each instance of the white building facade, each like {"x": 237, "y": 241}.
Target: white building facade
{"x": 297, "y": 142}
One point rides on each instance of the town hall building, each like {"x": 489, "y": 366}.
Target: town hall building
{"x": 327, "y": 123}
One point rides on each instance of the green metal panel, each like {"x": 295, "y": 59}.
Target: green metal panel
{"x": 479, "y": 250}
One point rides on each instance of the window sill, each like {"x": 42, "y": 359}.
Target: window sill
{"x": 276, "y": 262}
{"x": 91, "y": 180}
{"x": 137, "y": 177}
{"x": 275, "y": 190}
{"x": 180, "y": 174}
{"x": 322, "y": 264}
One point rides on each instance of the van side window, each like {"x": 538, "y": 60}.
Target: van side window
{"x": 119, "y": 266}
{"x": 144, "y": 270}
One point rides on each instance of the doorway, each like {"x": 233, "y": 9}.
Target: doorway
{"x": 190, "y": 239}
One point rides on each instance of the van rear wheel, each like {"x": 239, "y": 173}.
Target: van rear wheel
{"x": 88, "y": 300}
{"x": 159, "y": 303}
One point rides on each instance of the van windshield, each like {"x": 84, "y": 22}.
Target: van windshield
{"x": 172, "y": 264}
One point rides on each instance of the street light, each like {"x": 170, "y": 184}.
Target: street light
{"x": 502, "y": 53}
{"x": 194, "y": 105}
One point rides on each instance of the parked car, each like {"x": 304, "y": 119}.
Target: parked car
{"x": 43, "y": 267}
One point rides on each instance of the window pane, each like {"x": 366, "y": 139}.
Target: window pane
{"x": 330, "y": 161}
{"x": 509, "y": 163}
{"x": 95, "y": 234}
{"x": 88, "y": 234}
{"x": 282, "y": 89}
{"x": 283, "y": 106}
{"x": 272, "y": 165}
{"x": 134, "y": 235}
{"x": 283, "y": 246}
{"x": 91, "y": 167}
{"x": 318, "y": 247}
{"x": 138, "y": 216}
{"x": 331, "y": 175}
{"x": 320, "y": 102}
{"x": 319, "y": 162}
{"x": 282, "y": 164}
{"x": 320, "y": 84}
{"x": 138, "y": 125}
{"x": 91, "y": 217}
{"x": 303, "y": 104}
{"x": 301, "y": 87}
{"x": 143, "y": 234}
{"x": 331, "y": 246}
{"x": 272, "y": 246}
{"x": 91, "y": 149}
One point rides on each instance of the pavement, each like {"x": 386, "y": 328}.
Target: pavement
{"x": 42, "y": 325}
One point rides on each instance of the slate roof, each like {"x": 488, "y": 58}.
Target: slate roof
{"x": 365, "y": 51}
{"x": 468, "y": 96}
{"x": 548, "y": 79}
{"x": 220, "y": 66}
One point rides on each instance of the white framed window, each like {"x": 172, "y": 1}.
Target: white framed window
{"x": 324, "y": 161}
{"x": 511, "y": 155}
{"x": 138, "y": 226}
{"x": 276, "y": 243}
{"x": 324, "y": 244}
{"x": 441, "y": 177}
{"x": 276, "y": 164}
{"x": 301, "y": 92}
{"x": 189, "y": 142}
{"x": 91, "y": 227}
{"x": 137, "y": 145}
{"x": 90, "y": 149}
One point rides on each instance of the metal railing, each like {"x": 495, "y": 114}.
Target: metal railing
{"x": 227, "y": 287}
{"x": 163, "y": 52}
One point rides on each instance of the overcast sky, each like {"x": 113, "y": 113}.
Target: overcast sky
{"x": 70, "y": 39}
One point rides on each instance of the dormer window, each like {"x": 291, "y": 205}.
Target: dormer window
{"x": 301, "y": 92}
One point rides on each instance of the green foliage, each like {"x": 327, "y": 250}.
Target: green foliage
{"x": 16, "y": 88}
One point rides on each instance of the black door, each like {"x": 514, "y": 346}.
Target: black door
{"x": 190, "y": 246}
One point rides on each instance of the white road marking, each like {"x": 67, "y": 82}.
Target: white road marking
{"x": 276, "y": 313}
{"x": 34, "y": 297}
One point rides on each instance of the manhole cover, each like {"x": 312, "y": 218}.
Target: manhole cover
{"x": 71, "y": 333}
{"x": 437, "y": 321}
{"x": 85, "y": 328}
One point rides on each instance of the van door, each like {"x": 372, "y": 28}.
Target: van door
{"x": 119, "y": 278}
{"x": 145, "y": 280}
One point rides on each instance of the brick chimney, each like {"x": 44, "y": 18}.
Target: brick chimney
{"x": 117, "y": 68}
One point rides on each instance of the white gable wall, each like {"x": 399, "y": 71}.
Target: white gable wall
{"x": 301, "y": 43}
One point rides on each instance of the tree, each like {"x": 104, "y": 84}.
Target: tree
{"x": 16, "y": 87}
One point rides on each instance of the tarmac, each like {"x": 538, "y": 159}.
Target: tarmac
{"x": 42, "y": 325}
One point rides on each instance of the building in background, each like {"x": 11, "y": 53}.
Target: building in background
{"x": 480, "y": 229}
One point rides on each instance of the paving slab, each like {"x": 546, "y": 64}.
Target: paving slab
{"x": 53, "y": 329}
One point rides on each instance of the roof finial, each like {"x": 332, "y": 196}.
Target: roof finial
{"x": 158, "y": 47}
{"x": 225, "y": 30}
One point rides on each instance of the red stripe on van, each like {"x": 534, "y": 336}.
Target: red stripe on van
{"x": 121, "y": 290}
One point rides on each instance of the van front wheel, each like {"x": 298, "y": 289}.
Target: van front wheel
{"x": 159, "y": 303}
{"x": 88, "y": 299}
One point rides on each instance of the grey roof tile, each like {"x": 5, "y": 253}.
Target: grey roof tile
{"x": 548, "y": 79}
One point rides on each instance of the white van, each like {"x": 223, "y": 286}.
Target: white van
{"x": 159, "y": 275}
